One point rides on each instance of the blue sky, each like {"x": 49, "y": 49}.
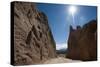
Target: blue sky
{"x": 60, "y": 19}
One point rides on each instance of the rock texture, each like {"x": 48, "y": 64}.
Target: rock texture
{"x": 82, "y": 42}
{"x": 33, "y": 40}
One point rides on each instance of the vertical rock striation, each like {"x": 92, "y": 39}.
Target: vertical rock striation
{"x": 33, "y": 40}
{"x": 82, "y": 42}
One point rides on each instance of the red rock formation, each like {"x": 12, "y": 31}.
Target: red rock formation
{"x": 82, "y": 42}
{"x": 33, "y": 41}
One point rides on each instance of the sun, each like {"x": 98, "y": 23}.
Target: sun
{"x": 72, "y": 9}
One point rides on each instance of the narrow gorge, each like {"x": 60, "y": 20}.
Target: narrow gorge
{"x": 32, "y": 41}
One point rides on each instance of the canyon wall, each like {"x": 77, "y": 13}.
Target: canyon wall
{"x": 82, "y": 42}
{"x": 33, "y": 40}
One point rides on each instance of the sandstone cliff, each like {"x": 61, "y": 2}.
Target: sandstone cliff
{"x": 33, "y": 40}
{"x": 82, "y": 42}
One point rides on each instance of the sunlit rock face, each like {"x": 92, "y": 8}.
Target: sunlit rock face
{"x": 82, "y": 42}
{"x": 33, "y": 41}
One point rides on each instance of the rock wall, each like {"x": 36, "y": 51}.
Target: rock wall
{"x": 33, "y": 40}
{"x": 82, "y": 42}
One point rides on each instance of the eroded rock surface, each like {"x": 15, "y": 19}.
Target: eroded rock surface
{"x": 33, "y": 40}
{"x": 82, "y": 42}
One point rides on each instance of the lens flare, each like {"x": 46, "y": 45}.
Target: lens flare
{"x": 72, "y": 9}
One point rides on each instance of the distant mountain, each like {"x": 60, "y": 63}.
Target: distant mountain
{"x": 61, "y": 51}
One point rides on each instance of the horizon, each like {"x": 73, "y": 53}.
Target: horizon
{"x": 60, "y": 19}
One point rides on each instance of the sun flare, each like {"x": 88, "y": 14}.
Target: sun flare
{"x": 72, "y": 9}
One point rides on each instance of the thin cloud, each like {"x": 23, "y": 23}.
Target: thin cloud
{"x": 61, "y": 46}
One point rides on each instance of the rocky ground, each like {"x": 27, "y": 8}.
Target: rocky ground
{"x": 60, "y": 60}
